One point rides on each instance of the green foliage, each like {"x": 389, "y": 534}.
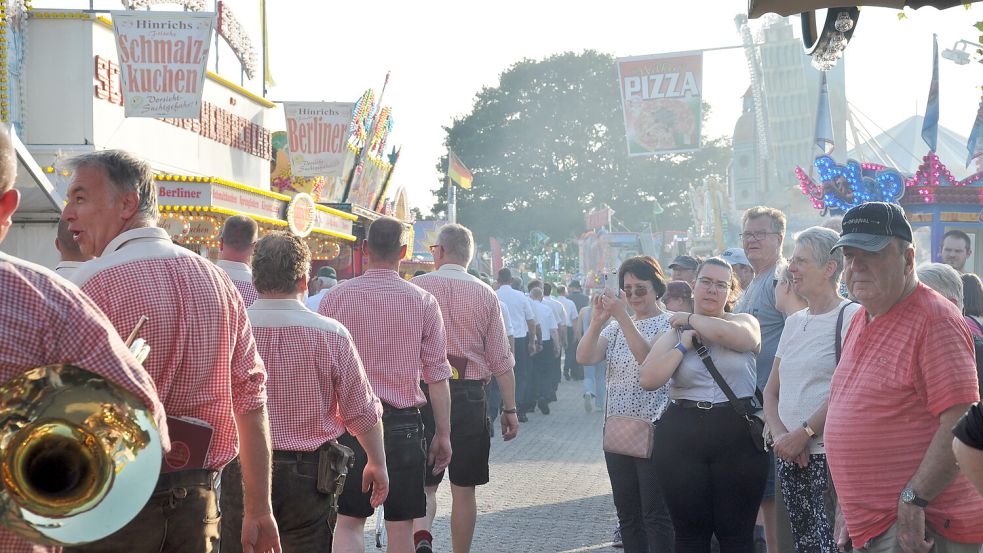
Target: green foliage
{"x": 547, "y": 145}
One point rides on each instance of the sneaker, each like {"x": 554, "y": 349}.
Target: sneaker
{"x": 522, "y": 417}
{"x": 588, "y": 402}
{"x": 424, "y": 547}
{"x": 616, "y": 539}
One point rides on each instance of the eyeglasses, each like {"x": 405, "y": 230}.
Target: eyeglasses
{"x": 757, "y": 235}
{"x": 717, "y": 285}
{"x": 638, "y": 291}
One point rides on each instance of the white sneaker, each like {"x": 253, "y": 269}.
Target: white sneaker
{"x": 588, "y": 402}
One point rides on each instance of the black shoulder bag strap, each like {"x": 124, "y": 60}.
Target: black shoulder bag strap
{"x": 839, "y": 331}
{"x": 704, "y": 354}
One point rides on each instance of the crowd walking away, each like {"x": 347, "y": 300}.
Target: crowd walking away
{"x": 811, "y": 391}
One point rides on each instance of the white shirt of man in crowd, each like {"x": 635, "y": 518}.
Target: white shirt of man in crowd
{"x": 544, "y": 316}
{"x": 519, "y": 308}
{"x": 313, "y": 301}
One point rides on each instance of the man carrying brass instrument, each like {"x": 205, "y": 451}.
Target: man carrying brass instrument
{"x": 45, "y": 320}
{"x": 203, "y": 358}
{"x": 317, "y": 389}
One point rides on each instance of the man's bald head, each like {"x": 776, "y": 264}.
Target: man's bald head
{"x": 385, "y": 239}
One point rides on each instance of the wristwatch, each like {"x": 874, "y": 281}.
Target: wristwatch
{"x": 511, "y": 411}
{"x": 808, "y": 429}
{"x": 909, "y": 496}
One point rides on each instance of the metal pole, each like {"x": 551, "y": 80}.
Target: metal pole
{"x": 451, "y": 200}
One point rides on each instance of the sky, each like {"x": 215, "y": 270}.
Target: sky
{"x": 442, "y": 52}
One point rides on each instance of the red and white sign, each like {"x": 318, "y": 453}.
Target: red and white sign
{"x": 162, "y": 58}
{"x": 599, "y": 218}
{"x": 300, "y": 214}
{"x": 318, "y": 135}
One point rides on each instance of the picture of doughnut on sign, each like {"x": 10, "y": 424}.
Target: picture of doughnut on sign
{"x": 662, "y": 102}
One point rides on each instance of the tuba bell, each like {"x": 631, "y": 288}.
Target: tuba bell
{"x": 79, "y": 455}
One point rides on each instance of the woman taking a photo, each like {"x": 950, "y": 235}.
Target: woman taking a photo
{"x": 797, "y": 393}
{"x": 642, "y": 515}
{"x": 712, "y": 475}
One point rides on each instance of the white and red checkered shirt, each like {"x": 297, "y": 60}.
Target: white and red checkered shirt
{"x": 202, "y": 354}
{"x": 473, "y": 321}
{"x": 45, "y": 320}
{"x": 242, "y": 276}
{"x": 398, "y": 330}
{"x": 316, "y": 385}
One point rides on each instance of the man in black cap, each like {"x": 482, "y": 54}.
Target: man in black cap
{"x": 906, "y": 374}
{"x": 684, "y": 268}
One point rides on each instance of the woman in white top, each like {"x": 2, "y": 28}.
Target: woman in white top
{"x": 642, "y": 515}
{"x": 797, "y": 393}
{"x": 711, "y": 473}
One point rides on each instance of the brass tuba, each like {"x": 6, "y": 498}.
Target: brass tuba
{"x": 79, "y": 455}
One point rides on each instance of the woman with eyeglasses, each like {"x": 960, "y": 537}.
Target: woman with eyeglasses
{"x": 642, "y": 515}
{"x": 712, "y": 475}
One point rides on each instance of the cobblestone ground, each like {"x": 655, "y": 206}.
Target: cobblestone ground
{"x": 549, "y": 490}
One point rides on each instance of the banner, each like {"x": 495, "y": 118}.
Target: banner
{"x": 162, "y": 58}
{"x": 318, "y": 135}
{"x": 930, "y": 126}
{"x": 662, "y": 101}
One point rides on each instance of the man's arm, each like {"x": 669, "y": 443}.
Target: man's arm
{"x": 375, "y": 476}
{"x": 259, "y": 530}
{"x": 510, "y": 421}
{"x": 440, "y": 447}
{"x": 937, "y": 470}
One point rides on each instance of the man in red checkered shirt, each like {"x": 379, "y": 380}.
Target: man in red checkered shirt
{"x": 317, "y": 389}
{"x": 239, "y": 236}
{"x": 46, "y": 320}
{"x": 202, "y": 358}
{"x": 399, "y": 333}
{"x": 478, "y": 349}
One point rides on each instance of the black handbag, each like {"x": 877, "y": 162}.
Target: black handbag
{"x": 760, "y": 435}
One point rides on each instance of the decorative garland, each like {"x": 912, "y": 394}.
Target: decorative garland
{"x": 841, "y": 187}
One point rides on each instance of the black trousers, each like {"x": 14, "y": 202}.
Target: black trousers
{"x": 522, "y": 365}
{"x": 712, "y": 477}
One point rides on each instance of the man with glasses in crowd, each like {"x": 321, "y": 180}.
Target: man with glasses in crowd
{"x": 762, "y": 238}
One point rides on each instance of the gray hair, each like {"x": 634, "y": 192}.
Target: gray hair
{"x": 821, "y": 240}
{"x": 457, "y": 242}
{"x": 128, "y": 174}
{"x": 536, "y": 293}
{"x": 944, "y": 280}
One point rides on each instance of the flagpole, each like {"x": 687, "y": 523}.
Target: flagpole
{"x": 451, "y": 200}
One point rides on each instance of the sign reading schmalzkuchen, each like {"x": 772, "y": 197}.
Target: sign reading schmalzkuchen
{"x": 162, "y": 57}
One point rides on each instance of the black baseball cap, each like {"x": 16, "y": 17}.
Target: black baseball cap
{"x": 684, "y": 262}
{"x": 871, "y": 226}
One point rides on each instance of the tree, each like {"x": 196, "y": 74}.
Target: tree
{"x": 547, "y": 146}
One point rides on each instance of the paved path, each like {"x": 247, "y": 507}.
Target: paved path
{"x": 549, "y": 490}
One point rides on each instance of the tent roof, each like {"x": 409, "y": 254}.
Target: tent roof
{"x": 902, "y": 148}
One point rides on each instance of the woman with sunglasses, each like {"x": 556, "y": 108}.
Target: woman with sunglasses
{"x": 712, "y": 475}
{"x": 642, "y": 515}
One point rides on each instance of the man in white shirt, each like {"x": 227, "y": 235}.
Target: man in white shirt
{"x": 68, "y": 249}
{"x": 570, "y": 367}
{"x": 323, "y": 285}
{"x": 239, "y": 237}
{"x": 540, "y": 381}
{"x": 564, "y": 321}
{"x": 524, "y": 332}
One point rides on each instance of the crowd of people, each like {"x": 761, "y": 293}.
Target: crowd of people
{"x": 748, "y": 403}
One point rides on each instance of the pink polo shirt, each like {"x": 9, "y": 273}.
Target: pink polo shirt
{"x": 898, "y": 373}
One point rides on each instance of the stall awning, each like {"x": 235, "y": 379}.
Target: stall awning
{"x": 40, "y": 201}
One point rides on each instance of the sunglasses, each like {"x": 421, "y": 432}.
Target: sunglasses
{"x": 638, "y": 291}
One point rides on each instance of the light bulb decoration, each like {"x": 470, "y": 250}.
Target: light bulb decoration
{"x": 933, "y": 183}
{"x": 841, "y": 187}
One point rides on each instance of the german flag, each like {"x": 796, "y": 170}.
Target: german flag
{"x": 458, "y": 172}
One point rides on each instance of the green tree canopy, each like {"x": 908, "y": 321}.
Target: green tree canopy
{"x": 547, "y": 145}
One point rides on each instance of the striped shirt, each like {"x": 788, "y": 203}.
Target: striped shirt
{"x": 896, "y": 375}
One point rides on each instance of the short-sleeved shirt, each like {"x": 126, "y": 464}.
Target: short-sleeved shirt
{"x": 759, "y": 301}
{"x": 316, "y": 384}
{"x": 399, "y": 332}
{"x": 520, "y": 309}
{"x": 571, "y": 308}
{"x": 202, "y": 355}
{"x": 506, "y": 318}
{"x": 472, "y": 321}
{"x": 969, "y": 429}
{"x": 579, "y": 299}
{"x": 545, "y": 319}
{"x": 807, "y": 352}
{"x": 242, "y": 276}
{"x": 559, "y": 311}
{"x": 896, "y": 375}
{"x": 625, "y": 396}
{"x": 694, "y": 382}
{"x": 45, "y": 320}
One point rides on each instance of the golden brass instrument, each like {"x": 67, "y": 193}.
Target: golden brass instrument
{"x": 80, "y": 455}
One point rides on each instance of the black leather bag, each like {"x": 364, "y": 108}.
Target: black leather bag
{"x": 755, "y": 421}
